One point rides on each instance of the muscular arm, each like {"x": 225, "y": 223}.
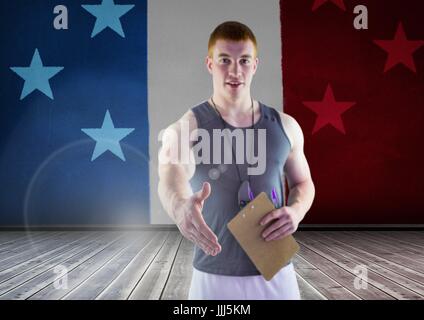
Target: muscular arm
{"x": 296, "y": 169}
{"x": 174, "y": 169}
{"x": 285, "y": 220}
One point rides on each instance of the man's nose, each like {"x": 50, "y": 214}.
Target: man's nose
{"x": 235, "y": 70}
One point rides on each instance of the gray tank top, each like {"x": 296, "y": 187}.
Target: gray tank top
{"x": 222, "y": 204}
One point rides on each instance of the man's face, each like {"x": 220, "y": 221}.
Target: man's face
{"x": 232, "y": 67}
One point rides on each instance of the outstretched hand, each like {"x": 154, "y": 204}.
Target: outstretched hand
{"x": 191, "y": 224}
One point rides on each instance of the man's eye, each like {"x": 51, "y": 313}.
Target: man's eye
{"x": 225, "y": 60}
{"x": 245, "y": 61}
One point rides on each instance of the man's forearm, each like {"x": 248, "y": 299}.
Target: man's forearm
{"x": 173, "y": 187}
{"x": 301, "y": 197}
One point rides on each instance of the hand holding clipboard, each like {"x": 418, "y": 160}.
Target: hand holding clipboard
{"x": 268, "y": 256}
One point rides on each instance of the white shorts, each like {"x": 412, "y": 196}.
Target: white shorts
{"x": 208, "y": 286}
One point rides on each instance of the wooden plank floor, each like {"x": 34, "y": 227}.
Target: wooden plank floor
{"x": 156, "y": 264}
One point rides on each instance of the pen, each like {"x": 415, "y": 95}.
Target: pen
{"x": 274, "y": 197}
{"x": 251, "y": 196}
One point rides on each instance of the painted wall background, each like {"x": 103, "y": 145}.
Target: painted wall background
{"x": 79, "y": 139}
{"x": 145, "y": 68}
{"x": 178, "y": 78}
{"x": 46, "y": 173}
{"x": 359, "y": 97}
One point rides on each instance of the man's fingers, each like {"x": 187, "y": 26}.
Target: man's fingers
{"x": 279, "y": 233}
{"x": 203, "y": 193}
{"x": 201, "y": 226}
{"x": 274, "y": 214}
{"x": 201, "y": 231}
{"x": 207, "y": 235}
{"x": 275, "y": 226}
{"x": 202, "y": 242}
{"x": 213, "y": 243}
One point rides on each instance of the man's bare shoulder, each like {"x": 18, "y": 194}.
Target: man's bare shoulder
{"x": 173, "y": 133}
{"x": 293, "y": 130}
{"x": 187, "y": 118}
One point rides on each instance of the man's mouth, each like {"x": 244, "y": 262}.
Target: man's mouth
{"x": 234, "y": 84}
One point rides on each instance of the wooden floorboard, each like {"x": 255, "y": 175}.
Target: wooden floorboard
{"x": 80, "y": 269}
{"x": 178, "y": 283}
{"x": 33, "y": 285}
{"x": 33, "y": 249}
{"x": 335, "y": 243}
{"x": 338, "y": 268}
{"x": 101, "y": 279}
{"x": 307, "y": 291}
{"x": 157, "y": 264}
{"x": 408, "y": 252}
{"x": 380, "y": 285}
{"x": 403, "y": 239}
{"x": 410, "y": 257}
{"x": 377, "y": 249}
{"x": 27, "y": 241}
{"x": 328, "y": 287}
{"x": 39, "y": 271}
{"x": 151, "y": 285}
{"x": 8, "y": 237}
{"x": 122, "y": 286}
{"x": 38, "y": 262}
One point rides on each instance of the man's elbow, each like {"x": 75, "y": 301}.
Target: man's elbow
{"x": 312, "y": 189}
{"x": 162, "y": 182}
{"x": 307, "y": 188}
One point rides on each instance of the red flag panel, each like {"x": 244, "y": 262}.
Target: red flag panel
{"x": 359, "y": 98}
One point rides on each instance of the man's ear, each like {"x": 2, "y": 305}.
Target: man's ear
{"x": 208, "y": 62}
{"x": 255, "y": 65}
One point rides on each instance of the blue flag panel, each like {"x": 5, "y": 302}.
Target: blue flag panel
{"x": 74, "y": 128}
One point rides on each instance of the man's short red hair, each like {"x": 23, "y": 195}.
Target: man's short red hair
{"x": 231, "y": 30}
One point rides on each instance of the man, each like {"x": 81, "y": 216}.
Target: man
{"x": 222, "y": 270}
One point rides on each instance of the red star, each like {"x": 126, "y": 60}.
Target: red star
{"x": 329, "y": 111}
{"x": 319, "y": 3}
{"x": 400, "y": 49}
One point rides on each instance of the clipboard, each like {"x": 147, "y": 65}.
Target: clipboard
{"x": 268, "y": 256}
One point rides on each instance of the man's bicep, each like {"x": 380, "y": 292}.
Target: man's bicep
{"x": 176, "y": 150}
{"x": 296, "y": 168}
